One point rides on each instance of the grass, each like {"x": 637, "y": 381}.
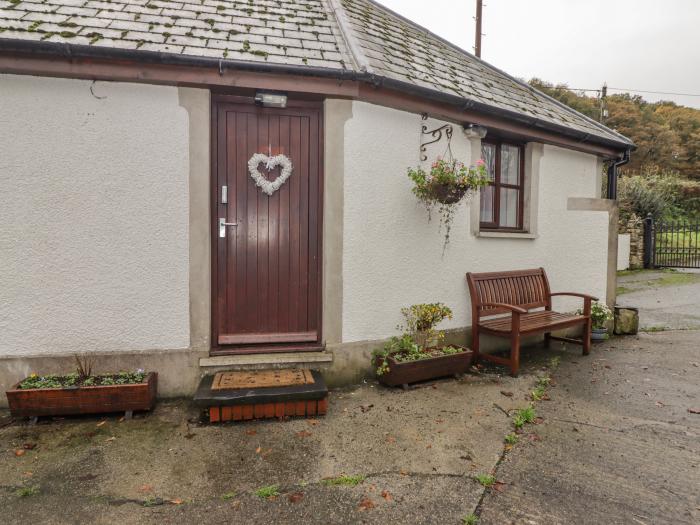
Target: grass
{"x": 347, "y": 481}
{"x": 511, "y": 439}
{"x": 228, "y": 496}
{"x": 268, "y": 492}
{"x": 470, "y": 519}
{"x": 487, "y": 480}
{"x": 539, "y": 392}
{"x": 524, "y": 415}
{"x": 25, "y": 492}
{"x": 554, "y": 362}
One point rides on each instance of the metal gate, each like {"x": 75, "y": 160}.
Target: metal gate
{"x": 671, "y": 244}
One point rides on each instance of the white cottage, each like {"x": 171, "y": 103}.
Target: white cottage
{"x": 131, "y": 227}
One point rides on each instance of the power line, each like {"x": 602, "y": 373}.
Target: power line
{"x": 640, "y": 91}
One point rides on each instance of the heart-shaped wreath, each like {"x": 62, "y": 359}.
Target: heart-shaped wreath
{"x": 269, "y": 187}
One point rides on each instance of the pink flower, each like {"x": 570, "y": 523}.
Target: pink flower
{"x": 480, "y": 162}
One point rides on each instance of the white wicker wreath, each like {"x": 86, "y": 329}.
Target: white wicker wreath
{"x": 269, "y": 187}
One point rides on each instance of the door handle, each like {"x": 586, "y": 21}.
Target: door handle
{"x": 222, "y": 226}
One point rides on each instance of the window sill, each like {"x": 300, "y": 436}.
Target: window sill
{"x": 506, "y": 235}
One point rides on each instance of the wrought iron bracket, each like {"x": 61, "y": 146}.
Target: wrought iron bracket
{"x": 436, "y": 134}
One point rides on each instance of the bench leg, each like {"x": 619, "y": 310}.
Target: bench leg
{"x": 547, "y": 339}
{"x": 515, "y": 354}
{"x": 475, "y": 344}
{"x": 587, "y": 337}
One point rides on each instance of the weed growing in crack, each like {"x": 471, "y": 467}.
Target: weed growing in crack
{"x": 470, "y": 519}
{"x": 523, "y": 416}
{"x": 511, "y": 439}
{"x": 348, "y": 481}
{"x": 487, "y": 480}
{"x": 25, "y": 492}
{"x": 268, "y": 492}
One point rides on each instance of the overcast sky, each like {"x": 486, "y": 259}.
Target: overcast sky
{"x": 651, "y": 45}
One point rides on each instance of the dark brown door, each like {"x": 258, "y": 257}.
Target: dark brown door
{"x": 267, "y": 267}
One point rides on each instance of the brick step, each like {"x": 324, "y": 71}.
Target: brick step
{"x": 244, "y": 404}
{"x": 268, "y": 410}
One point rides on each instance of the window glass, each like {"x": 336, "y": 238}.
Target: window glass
{"x": 487, "y": 210}
{"x": 509, "y": 208}
{"x": 510, "y": 164}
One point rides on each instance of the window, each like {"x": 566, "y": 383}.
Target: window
{"x": 502, "y": 199}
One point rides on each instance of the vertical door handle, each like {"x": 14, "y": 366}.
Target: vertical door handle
{"x": 222, "y": 226}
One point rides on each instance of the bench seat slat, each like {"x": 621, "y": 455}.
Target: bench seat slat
{"x": 532, "y": 322}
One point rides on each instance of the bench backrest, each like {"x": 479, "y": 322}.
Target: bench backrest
{"x": 524, "y": 288}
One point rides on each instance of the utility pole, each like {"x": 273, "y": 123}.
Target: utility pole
{"x": 477, "y": 42}
{"x": 603, "y": 105}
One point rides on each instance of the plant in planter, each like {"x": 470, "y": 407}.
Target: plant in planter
{"x": 418, "y": 354}
{"x": 81, "y": 392}
{"x": 448, "y": 183}
{"x": 600, "y": 314}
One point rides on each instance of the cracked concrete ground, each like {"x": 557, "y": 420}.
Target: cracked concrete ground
{"x": 418, "y": 451}
{"x": 618, "y": 443}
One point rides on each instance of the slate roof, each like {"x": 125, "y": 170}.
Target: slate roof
{"x": 345, "y": 36}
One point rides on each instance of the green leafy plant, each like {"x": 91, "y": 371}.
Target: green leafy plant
{"x": 270, "y": 491}
{"x": 541, "y": 389}
{"x": 523, "y": 416}
{"x": 470, "y": 519}
{"x": 420, "y": 340}
{"x": 349, "y": 481}
{"x": 76, "y": 380}
{"x": 600, "y": 314}
{"x": 487, "y": 480}
{"x": 446, "y": 184}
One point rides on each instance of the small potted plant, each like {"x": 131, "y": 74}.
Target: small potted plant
{"x": 447, "y": 184}
{"x": 81, "y": 392}
{"x": 600, "y": 314}
{"x": 418, "y": 353}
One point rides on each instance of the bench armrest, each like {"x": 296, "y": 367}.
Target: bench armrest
{"x": 510, "y": 307}
{"x": 574, "y": 294}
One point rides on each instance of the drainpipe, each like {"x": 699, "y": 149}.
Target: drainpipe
{"x": 612, "y": 174}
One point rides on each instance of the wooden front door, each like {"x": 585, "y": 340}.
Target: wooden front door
{"x": 267, "y": 257}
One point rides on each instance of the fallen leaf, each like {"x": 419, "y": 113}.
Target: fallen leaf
{"x": 258, "y": 450}
{"x": 498, "y": 486}
{"x": 366, "y": 503}
{"x": 660, "y": 404}
{"x": 251, "y": 432}
{"x": 121, "y": 419}
{"x": 386, "y": 495}
{"x": 403, "y": 472}
{"x": 508, "y": 448}
{"x": 29, "y": 446}
{"x": 429, "y": 446}
{"x": 390, "y": 439}
{"x": 366, "y": 408}
{"x": 295, "y": 497}
{"x": 110, "y": 439}
{"x": 303, "y": 434}
{"x": 538, "y": 420}
{"x": 534, "y": 437}
{"x": 20, "y": 452}
{"x": 176, "y": 501}
{"x": 146, "y": 488}
{"x": 694, "y": 410}
{"x": 101, "y": 423}
{"x": 507, "y": 393}
{"x": 439, "y": 421}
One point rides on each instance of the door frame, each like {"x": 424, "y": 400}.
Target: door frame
{"x": 217, "y": 349}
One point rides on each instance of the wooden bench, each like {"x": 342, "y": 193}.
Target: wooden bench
{"x": 517, "y": 293}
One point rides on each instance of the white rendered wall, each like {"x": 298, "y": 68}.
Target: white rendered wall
{"x": 93, "y": 217}
{"x": 392, "y": 255}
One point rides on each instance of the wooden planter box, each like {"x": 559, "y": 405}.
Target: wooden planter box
{"x": 83, "y": 400}
{"x": 411, "y": 372}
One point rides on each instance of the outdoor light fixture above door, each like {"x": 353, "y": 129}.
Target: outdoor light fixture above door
{"x": 270, "y": 99}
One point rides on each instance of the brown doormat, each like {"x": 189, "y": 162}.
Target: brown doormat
{"x": 261, "y": 379}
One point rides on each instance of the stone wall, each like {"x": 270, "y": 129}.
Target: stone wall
{"x": 635, "y": 228}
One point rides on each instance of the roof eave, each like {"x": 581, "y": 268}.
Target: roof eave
{"x": 69, "y": 51}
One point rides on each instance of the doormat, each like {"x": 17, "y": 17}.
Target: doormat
{"x": 261, "y": 379}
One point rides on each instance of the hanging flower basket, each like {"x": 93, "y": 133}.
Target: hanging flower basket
{"x": 448, "y": 183}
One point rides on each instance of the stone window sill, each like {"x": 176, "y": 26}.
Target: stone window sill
{"x": 506, "y": 235}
